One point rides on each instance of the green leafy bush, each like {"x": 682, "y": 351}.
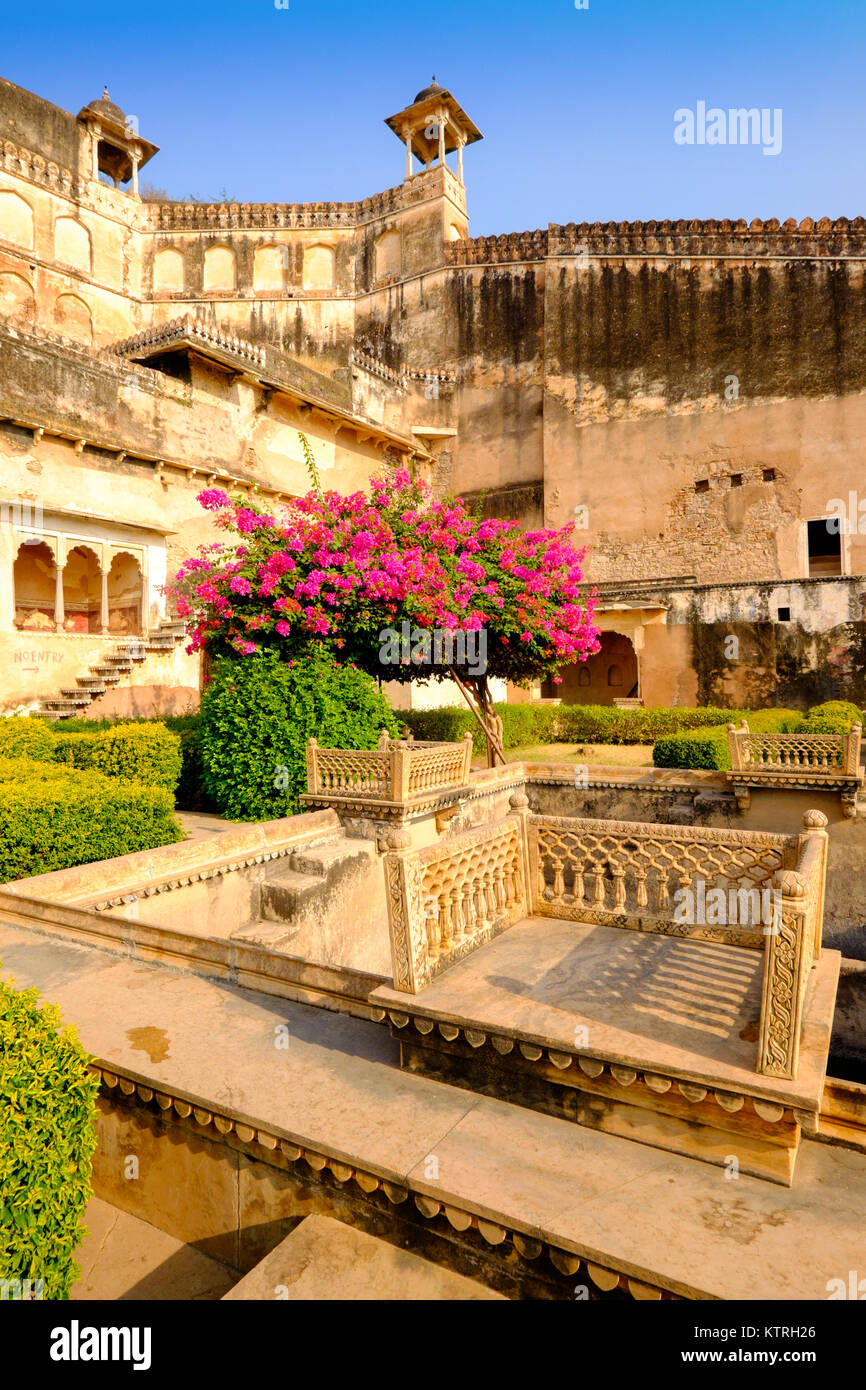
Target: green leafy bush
{"x": 26, "y": 738}
{"x": 833, "y": 717}
{"x": 140, "y": 752}
{"x": 257, "y": 714}
{"x": 708, "y": 748}
{"x": 52, "y": 817}
{"x": 47, "y": 1138}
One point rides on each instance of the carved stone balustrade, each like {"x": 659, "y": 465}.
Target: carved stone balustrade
{"x": 394, "y": 780}
{"x": 660, "y": 878}
{"x": 447, "y": 899}
{"x": 804, "y": 761}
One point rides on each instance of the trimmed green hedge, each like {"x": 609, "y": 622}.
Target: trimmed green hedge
{"x": 26, "y": 738}
{"x": 708, "y": 748}
{"x": 52, "y": 817}
{"x": 833, "y": 717}
{"x": 47, "y": 1139}
{"x": 190, "y": 794}
{"x": 257, "y": 714}
{"x": 526, "y": 724}
{"x": 140, "y": 752}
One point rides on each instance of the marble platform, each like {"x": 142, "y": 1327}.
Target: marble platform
{"x": 648, "y": 1036}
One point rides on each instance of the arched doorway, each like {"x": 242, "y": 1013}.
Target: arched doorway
{"x": 82, "y": 588}
{"x": 124, "y": 596}
{"x": 610, "y": 675}
{"x": 33, "y": 587}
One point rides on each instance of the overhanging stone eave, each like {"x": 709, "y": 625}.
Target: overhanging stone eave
{"x": 183, "y": 340}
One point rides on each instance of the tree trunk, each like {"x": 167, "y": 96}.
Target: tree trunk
{"x": 484, "y": 713}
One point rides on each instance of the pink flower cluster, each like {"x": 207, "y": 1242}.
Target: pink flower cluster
{"x": 341, "y": 567}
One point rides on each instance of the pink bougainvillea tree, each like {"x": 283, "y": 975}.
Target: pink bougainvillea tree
{"x": 402, "y": 585}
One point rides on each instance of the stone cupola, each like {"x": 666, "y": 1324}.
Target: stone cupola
{"x": 432, "y": 126}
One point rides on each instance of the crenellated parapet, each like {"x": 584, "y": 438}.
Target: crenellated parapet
{"x": 204, "y": 217}
{"x": 27, "y": 164}
{"x": 717, "y": 238}
{"x": 826, "y": 237}
{"x": 191, "y": 329}
{"x": 513, "y": 246}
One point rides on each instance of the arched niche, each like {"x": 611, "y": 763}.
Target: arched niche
{"x": 72, "y": 244}
{"x": 16, "y": 219}
{"x": 611, "y": 674}
{"x": 73, "y": 318}
{"x": 17, "y": 300}
{"x": 220, "y": 268}
{"x": 319, "y": 264}
{"x": 33, "y": 587}
{"x": 168, "y": 271}
{"x": 124, "y": 594}
{"x": 388, "y": 256}
{"x": 82, "y": 590}
{"x": 269, "y": 268}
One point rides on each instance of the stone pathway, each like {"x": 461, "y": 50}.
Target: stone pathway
{"x": 122, "y": 1257}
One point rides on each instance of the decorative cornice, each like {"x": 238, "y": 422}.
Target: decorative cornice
{"x": 267, "y": 1142}
{"x": 150, "y": 890}
{"x": 601, "y": 1069}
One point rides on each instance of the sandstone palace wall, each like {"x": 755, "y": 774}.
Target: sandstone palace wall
{"x": 691, "y": 394}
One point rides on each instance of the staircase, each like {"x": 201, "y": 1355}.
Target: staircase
{"x": 315, "y": 905}
{"x": 74, "y": 702}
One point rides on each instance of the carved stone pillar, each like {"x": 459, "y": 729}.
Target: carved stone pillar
{"x": 442, "y": 137}
{"x": 408, "y": 154}
{"x": 144, "y": 616}
{"x": 59, "y": 608}
{"x": 103, "y": 601}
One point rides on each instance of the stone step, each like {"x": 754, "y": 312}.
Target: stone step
{"x": 276, "y": 936}
{"x": 94, "y": 683}
{"x": 287, "y": 894}
{"x": 321, "y": 860}
{"x": 76, "y": 694}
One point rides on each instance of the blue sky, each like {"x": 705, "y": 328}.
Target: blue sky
{"x": 576, "y": 106}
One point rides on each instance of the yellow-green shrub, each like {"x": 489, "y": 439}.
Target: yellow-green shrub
{"x": 139, "y": 752}
{"x": 26, "y": 738}
{"x": 52, "y": 817}
{"x": 47, "y": 1138}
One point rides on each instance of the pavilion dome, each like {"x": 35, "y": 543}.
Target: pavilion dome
{"x": 107, "y": 108}
{"x": 433, "y": 90}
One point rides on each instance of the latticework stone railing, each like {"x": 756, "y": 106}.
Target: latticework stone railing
{"x": 692, "y": 882}
{"x": 809, "y": 761}
{"x": 449, "y": 898}
{"x": 396, "y": 774}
